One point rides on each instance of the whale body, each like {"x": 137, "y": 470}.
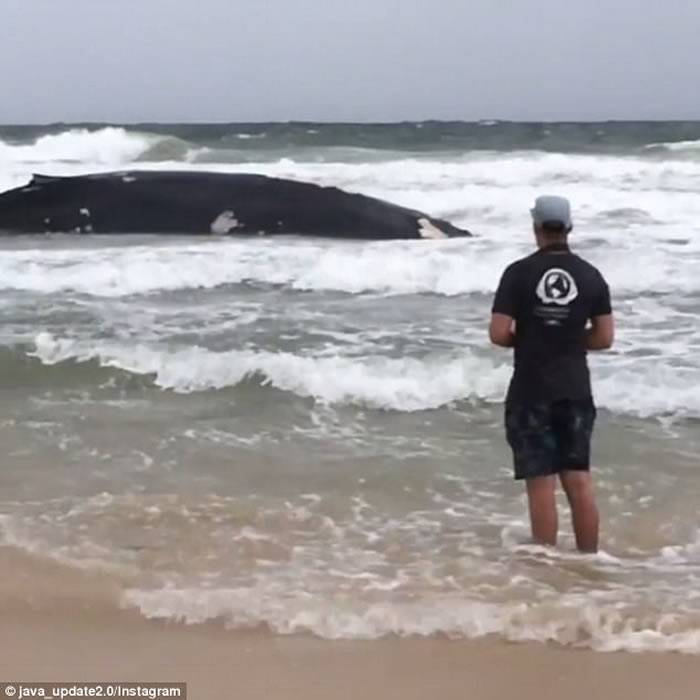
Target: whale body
{"x": 170, "y": 202}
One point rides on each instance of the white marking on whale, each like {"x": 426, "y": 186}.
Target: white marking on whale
{"x": 426, "y": 229}
{"x": 85, "y": 212}
{"x": 224, "y": 223}
{"x": 128, "y": 178}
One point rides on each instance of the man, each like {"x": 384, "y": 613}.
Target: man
{"x": 542, "y": 308}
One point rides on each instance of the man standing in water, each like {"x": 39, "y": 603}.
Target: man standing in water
{"x": 542, "y": 308}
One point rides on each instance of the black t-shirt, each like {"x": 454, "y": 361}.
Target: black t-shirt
{"x": 551, "y": 294}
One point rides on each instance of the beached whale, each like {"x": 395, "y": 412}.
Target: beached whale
{"x": 206, "y": 203}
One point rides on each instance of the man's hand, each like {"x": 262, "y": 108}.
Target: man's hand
{"x": 501, "y": 330}
{"x": 601, "y": 334}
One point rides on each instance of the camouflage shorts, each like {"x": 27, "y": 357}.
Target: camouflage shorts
{"x": 547, "y": 438}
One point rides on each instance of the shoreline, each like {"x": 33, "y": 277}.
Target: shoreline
{"x": 101, "y": 644}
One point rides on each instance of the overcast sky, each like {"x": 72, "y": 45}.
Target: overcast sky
{"x": 356, "y": 60}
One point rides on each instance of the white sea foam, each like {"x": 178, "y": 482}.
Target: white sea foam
{"x": 570, "y": 619}
{"x": 399, "y": 268}
{"x": 692, "y": 146}
{"x": 445, "y": 267}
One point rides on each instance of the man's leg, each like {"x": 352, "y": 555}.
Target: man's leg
{"x": 530, "y": 435}
{"x": 543, "y": 508}
{"x": 578, "y": 485}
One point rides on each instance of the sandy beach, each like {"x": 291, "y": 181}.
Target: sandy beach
{"x": 99, "y": 645}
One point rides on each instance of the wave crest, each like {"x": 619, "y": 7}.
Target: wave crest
{"x": 108, "y": 146}
{"x": 405, "y": 384}
{"x": 401, "y": 384}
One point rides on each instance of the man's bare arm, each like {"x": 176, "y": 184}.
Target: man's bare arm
{"x": 501, "y": 330}
{"x": 601, "y": 334}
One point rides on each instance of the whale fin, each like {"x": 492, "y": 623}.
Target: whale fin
{"x": 225, "y": 223}
{"x": 427, "y": 229}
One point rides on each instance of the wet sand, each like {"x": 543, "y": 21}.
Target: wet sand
{"x": 109, "y": 645}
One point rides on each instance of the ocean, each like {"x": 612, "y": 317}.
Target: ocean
{"x": 305, "y": 436}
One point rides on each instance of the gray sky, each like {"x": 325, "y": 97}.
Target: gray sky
{"x": 359, "y": 60}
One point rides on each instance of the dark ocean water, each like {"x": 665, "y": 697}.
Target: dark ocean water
{"x": 429, "y": 136}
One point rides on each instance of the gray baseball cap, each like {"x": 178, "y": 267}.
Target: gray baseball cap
{"x": 552, "y": 210}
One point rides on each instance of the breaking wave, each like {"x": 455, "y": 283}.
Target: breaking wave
{"x": 630, "y": 386}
